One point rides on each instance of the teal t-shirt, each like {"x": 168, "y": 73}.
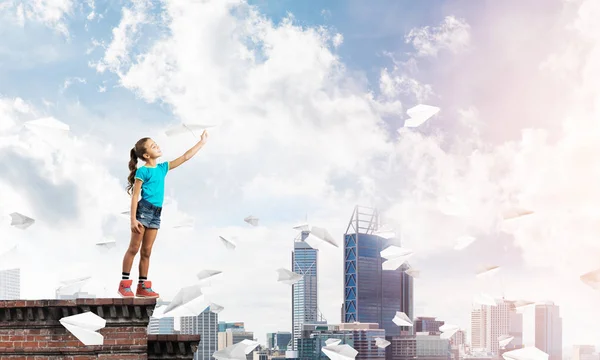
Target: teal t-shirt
{"x": 153, "y": 182}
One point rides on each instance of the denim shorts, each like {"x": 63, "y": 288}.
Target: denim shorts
{"x": 148, "y": 214}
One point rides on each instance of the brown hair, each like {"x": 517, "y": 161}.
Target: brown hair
{"x": 137, "y": 152}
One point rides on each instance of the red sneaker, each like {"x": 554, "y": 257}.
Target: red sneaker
{"x": 125, "y": 289}
{"x": 144, "y": 289}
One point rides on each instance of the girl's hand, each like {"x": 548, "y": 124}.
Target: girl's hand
{"x": 204, "y": 137}
{"x": 136, "y": 227}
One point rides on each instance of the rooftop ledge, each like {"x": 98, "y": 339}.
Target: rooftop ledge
{"x": 32, "y": 328}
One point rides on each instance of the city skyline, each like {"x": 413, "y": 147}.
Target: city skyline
{"x": 311, "y": 105}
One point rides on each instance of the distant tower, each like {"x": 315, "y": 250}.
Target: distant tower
{"x": 371, "y": 294}
{"x": 10, "y": 284}
{"x": 304, "y": 292}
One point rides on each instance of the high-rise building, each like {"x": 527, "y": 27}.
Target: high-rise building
{"x": 427, "y": 324}
{"x": 207, "y": 326}
{"x": 418, "y": 346}
{"x": 233, "y": 336}
{"x": 279, "y": 340}
{"x": 585, "y": 352}
{"x": 10, "y": 284}
{"x": 223, "y": 326}
{"x": 488, "y": 323}
{"x": 371, "y": 294}
{"x": 304, "y": 292}
{"x": 162, "y": 326}
{"x": 548, "y": 330}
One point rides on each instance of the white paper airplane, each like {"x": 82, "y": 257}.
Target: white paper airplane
{"x": 385, "y": 232}
{"x": 230, "y": 245}
{"x": 340, "y": 352}
{"x": 251, "y": 220}
{"x": 205, "y": 274}
{"x": 487, "y": 272}
{"x": 526, "y": 353}
{"x": 189, "y": 301}
{"x": 216, "y": 308}
{"x": 522, "y": 303}
{"x": 187, "y": 127}
{"x": 107, "y": 243}
{"x": 401, "y": 319}
{"x": 592, "y": 279}
{"x": 324, "y": 235}
{"x": 463, "y": 242}
{"x": 396, "y": 257}
{"x": 448, "y": 330}
{"x": 331, "y": 342}
{"x": 504, "y": 340}
{"x": 21, "y": 221}
{"x": 84, "y": 326}
{"x": 236, "y": 351}
{"x": 70, "y": 287}
{"x": 302, "y": 227}
{"x": 381, "y": 343}
{"x": 419, "y": 114}
{"x": 515, "y": 212}
{"x": 288, "y": 277}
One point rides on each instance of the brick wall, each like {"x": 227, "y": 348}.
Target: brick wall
{"x": 30, "y": 330}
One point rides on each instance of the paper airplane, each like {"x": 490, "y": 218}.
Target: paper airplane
{"x": 21, "y": 221}
{"x": 448, "y": 330}
{"x": 526, "y": 353}
{"x": 413, "y": 272}
{"x": 385, "y": 232}
{"x": 302, "y": 227}
{"x": 216, "y": 308}
{"x": 230, "y": 245}
{"x": 236, "y": 351}
{"x": 251, "y": 220}
{"x": 324, "y": 235}
{"x": 419, "y": 114}
{"x": 288, "y": 277}
{"x": 401, "y": 319}
{"x": 485, "y": 299}
{"x": 340, "y": 352}
{"x": 205, "y": 274}
{"x": 84, "y": 326}
{"x": 107, "y": 243}
{"x": 331, "y": 342}
{"x": 187, "y": 127}
{"x": 487, "y": 272}
{"x": 381, "y": 343}
{"x": 463, "y": 242}
{"x": 504, "y": 340}
{"x": 396, "y": 257}
{"x": 592, "y": 279}
{"x": 522, "y": 303}
{"x": 189, "y": 301}
{"x": 515, "y": 212}
{"x": 70, "y": 287}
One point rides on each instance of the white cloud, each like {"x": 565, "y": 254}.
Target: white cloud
{"x": 51, "y": 13}
{"x": 453, "y": 35}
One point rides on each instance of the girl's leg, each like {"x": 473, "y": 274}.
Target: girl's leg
{"x": 147, "y": 243}
{"x": 134, "y": 247}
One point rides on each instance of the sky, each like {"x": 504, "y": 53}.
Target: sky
{"x": 310, "y": 99}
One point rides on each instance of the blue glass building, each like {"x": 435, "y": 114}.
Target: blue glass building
{"x": 371, "y": 294}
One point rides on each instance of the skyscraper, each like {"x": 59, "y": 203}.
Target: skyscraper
{"x": 488, "y": 323}
{"x": 304, "y": 292}
{"x": 548, "y": 330}
{"x": 10, "y": 284}
{"x": 279, "y": 340}
{"x": 371, "y": 294}
{"x": 207, "y": 326}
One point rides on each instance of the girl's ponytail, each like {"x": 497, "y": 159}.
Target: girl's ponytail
{"x": 133, "y": 160}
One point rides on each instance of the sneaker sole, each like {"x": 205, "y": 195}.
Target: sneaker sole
{"x": 125, "y": 297}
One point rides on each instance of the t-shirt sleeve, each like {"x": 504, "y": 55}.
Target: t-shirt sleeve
{"x": 140, "y": 174}
{"x": 165, "y": 167}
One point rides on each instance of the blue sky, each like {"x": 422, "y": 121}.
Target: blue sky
{"x": 308, "y": 128}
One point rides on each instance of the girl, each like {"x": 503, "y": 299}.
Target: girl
{"x": 145, "y": 214}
